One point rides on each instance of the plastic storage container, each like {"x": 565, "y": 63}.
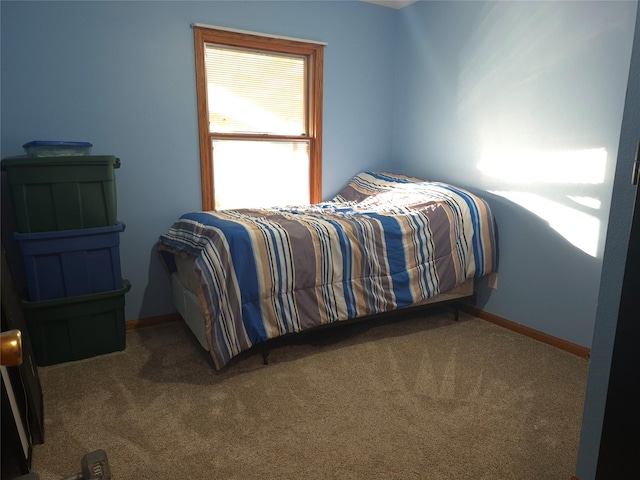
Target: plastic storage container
{"x": 68, "y": 263}
{"x": 74, "y": 328}
{"x": 56, "y": 148}
{"x": 62, "y": 193}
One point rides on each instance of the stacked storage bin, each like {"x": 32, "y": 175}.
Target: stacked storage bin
{"x": 69, "y": 239}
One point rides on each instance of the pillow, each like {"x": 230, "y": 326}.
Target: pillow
{"x": 366, "y": 184}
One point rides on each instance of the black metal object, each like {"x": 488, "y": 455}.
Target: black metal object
{"x": 94, "y": 465}
{"x": 13, "y": 318}
{"x": 451, "y": 304}
{"x": 620, "y": 440}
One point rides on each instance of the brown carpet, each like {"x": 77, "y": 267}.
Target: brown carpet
{"x": 423, "y": 398}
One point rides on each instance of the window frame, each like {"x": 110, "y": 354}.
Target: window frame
{"x": 314, "y": 55}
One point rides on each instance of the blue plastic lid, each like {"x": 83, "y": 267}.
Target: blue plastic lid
{"x": 50, "y": 235}
{"x": 45, "y": 143}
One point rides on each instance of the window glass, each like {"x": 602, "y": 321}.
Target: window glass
{"x": 260, "y": 174}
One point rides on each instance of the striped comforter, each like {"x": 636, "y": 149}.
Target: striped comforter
{"x": 386, "y": 241}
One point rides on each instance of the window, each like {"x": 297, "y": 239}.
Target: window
{"x": 259, "y": 118}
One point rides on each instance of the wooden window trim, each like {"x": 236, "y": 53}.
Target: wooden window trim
{"x": 315, "y": 56}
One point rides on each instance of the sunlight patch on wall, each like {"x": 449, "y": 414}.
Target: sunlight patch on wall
{"x": 590, "y": 202}
{"x": 573, "y": 167}
{"x": 558, "y": 180}
{"x": 581, "y": 229}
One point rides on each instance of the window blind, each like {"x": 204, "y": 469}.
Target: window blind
{"x": 255, "y": 92}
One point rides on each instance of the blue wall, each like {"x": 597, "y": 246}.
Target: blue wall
{"x": 522, "y": 102}
{"x": 519, "y": 101}
{"x": 622, "y": 204}
{"x": 121, "y": 75}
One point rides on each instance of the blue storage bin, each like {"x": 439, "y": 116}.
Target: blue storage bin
{"x": 67, "y": 263}
{"x": 40, "y": 148}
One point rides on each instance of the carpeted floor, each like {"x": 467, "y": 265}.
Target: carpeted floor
{"x": 421, "y": 398}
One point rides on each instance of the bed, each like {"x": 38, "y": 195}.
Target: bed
{"x": 387, "y": 241}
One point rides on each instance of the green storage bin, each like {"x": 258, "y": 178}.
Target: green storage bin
{"x": 73, "y": 328}
{"x": 62, "y": 193}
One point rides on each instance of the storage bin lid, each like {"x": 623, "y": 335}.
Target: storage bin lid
{"x": 82, "y": 232}
{"x": 26, "y": 161}
{"x": 47, "y": 143}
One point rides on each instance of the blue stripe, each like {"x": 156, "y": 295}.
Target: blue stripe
{"x": 478, "y": 253}
{"x": 244, "y": 266}
{"x": 398, "y": 269}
